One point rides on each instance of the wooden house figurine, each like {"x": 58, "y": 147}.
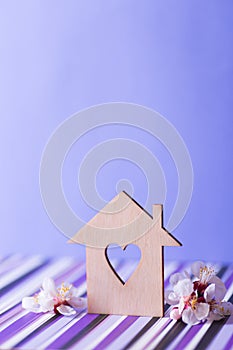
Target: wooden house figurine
{"x": 123, "y": 221}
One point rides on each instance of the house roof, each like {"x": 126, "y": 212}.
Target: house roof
{"x": 122, "y": 221}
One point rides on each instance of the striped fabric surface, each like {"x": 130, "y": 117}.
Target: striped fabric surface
{"x": 19, "y": 329}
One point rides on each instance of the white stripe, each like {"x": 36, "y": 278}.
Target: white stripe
{"x": 60, "y": 332}
{"x": 179, "y": 337}
{"x": 10, "y": 263}
{"x": 158, "y": 339}
{"x": 123, "y": 339}
{"x": 32, "y": 284}
{"x": 99, "y": 333}
{"x": 26, "y": 266}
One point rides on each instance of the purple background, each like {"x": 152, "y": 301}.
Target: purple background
{"x": 59, "y": 57}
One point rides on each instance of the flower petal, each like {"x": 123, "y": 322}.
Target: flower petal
{"x": 202, "y": 311}
{"x": 181, "y": 305}
{"x": 66, "y": 310}
{"x": 209, "y": 293}
{"x": 220, "y": 289}
{"x": 30, "y": 304}
{"x": 226, "y": 308}
{"x": 49, "y": 286}
{"x": 176, "y": 277}
{"x": 174, "y": 314}
{"x": 183, "y": 288}
{"x": 65, "y": 291}
{"x": 74, "y": 291}
{"x": 189, "y": 317}
{"x": 171, "y": 298}
{"x": 195, "y": 268}
{"x": 46, "y": 302}
{"x": 213, "y": 316}
{"x": 78, "y": 303}
{"x": 75, "y": 300}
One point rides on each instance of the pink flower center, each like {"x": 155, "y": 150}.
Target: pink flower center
{"x": 59, "y": 303}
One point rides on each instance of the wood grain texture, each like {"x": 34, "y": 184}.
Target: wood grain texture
{"x": 123, "y": 220}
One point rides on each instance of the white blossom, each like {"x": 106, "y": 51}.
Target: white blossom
{"x": 198, "y": 300}
{"x": 63, "y": 300}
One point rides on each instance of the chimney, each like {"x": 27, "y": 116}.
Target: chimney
{"x": 158, "y": 213}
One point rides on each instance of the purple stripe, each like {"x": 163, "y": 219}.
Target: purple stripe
{"x": 80, "y": 281}
{"x": 18, "y": 326}
{"x": 70, "y": 333}
{"x": 229, "y": 344}
{"x": 188, "y": 336}
{"x": 116, "y": 332}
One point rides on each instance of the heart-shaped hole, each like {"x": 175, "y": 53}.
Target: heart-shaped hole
{"x": 117, "y": 257}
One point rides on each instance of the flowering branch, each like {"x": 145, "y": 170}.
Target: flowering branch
{"x": 63, "y": 300}
{"x": 198, "y": 300}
